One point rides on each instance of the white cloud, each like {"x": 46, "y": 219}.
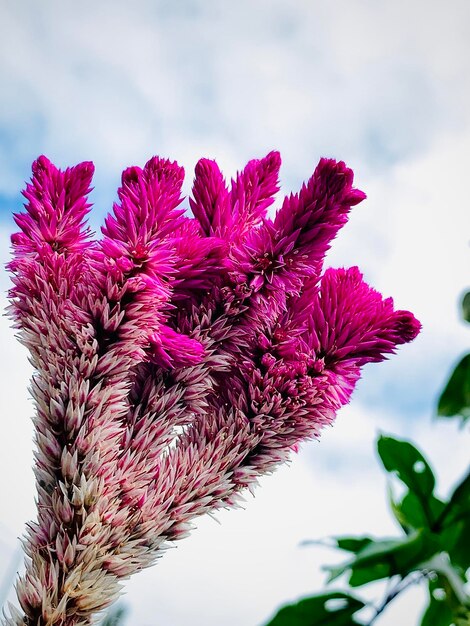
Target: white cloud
{"x": 351, "y": 79}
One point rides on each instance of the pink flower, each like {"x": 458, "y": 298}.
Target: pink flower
{"x": 177, "y": 358}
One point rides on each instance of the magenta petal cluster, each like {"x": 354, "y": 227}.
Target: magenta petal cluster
{"x": 177, "y": 358}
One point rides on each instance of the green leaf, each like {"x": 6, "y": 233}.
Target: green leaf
{"x": 449, "y": 536}
{"x": 462, "y": 616}
{"x": 352, "y": 544}
{"x": 412, "y": 515}
{"x": 329, "y": 609}
{"x": 412, "y": 511}
{"x": 444, "y": 607}
{"x": 458, "y": 506}
{"x": 382, "y": 550}
{"x": 335, "y": 571}
{"x": 438, "y": 612}
{"x": 441, "y": 564}
{"x": 398, "y": 513}
{"x": 364, "y": 574}
{"x": 466, "y": 307}
{"x": 412, "y": 468}
{"x": 461, "y": 494}
{"x": 454, "y": 525}
{"x": 349, "y": 544}
{"x": 395, "y": 557}
{"x": 388, "y": 557}
{"x": 455, "y": 399}
{"x": 458, "y": 546}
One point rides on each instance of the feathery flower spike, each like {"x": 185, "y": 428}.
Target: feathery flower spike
{"x": 177, "y": 359}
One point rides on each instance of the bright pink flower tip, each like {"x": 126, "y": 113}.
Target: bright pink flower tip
{"x": 407, "y": 326}
{"x": 131, "y": 175}
{"x": 273, "y": 161}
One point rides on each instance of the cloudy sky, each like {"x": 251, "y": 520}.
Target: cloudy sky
{"x": 382, "y": 85}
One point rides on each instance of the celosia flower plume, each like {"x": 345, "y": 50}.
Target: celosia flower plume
{"x": 177, "y": 358}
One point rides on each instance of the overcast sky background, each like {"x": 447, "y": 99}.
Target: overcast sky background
{"x": 382, "y": 85}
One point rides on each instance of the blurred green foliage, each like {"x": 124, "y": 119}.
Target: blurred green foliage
{"x": 455, "y": 399}
{"x": 434, "y": 547}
